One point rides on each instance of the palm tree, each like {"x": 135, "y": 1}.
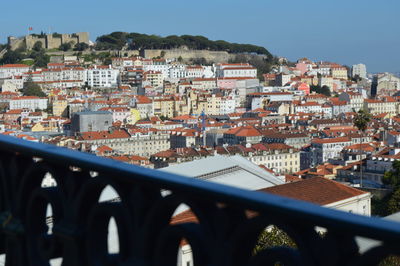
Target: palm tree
{"x": 361, "y": 122}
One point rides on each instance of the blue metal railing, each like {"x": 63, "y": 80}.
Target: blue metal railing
{"x": 224, "y": 235}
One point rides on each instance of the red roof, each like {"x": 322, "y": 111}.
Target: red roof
{"x": 316, "y": 190}
{"x": 244, "y": 131}
{"x": 94, "y": 135}
{"x": 14, "y": 66}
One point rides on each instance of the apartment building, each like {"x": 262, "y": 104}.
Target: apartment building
{"x": 28, "y": 102}
{"x": 102, "y": 77}
{"x": 328, "y": 148}
{"x": 10, "y": 70}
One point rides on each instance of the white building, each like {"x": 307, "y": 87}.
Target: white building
{"x": 102, "y": 77}
{"x": 177, "y": 72}
{"x": 12, "y": 84}
{"x": 9, "y": 70}
{"x": 236, "y": 70}
{"x": 29, "y": 102}
{"x": 194, "y": 71}
{"x": 329, "y": 148}
{"x": 227, "y": 105}
{"x": 359, "y": 70}
{"x": 354, "y": 99}
{"x": 158, "y": 66}
{"x": 308, "y": 107}
{"x": 326, "y": 193}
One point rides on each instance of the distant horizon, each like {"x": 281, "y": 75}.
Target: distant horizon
{"x": 346, "y": 32}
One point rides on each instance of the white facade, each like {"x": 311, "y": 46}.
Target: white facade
{"x": 194, "y": 71}
{"x": 308, "y": 108}
{"x": 177, "y": 72}
{"x": 227, "y": 106}
{"x": 359, "y": 204}
{"x": 324, "y": 70}
{"x": 324, "y": 149}
{"x": 248, "y": 72}
{"x": 360, "y": 70}
{"x": 7, "y": 71}
{"x": 102, "y": 77}
{"x": 65, "y": 74}
{"x": 236, "y": 70}
{"x": 29, "y": 102}
{"x": 12, "y": 84}
{"x": 163, "y": 68}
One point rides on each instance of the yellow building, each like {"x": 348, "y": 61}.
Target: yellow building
{"x": 386, "y": 105}
{"x": 164, "y": 107}
{"x": 155, "y": 78}
{"x": 339, "y": 72}
{"x": 213, "y": 105}
{"x": 60, "y": 107}
{"x": 169, "y": 88}
{"x": 133, "y": 117}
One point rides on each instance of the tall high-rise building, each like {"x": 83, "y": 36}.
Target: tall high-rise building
{"x": 359, "y": 70}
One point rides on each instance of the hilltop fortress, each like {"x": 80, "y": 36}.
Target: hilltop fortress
{"x": 49, "y": 41}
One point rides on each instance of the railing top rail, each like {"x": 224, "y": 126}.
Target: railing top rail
{"x": 257, "y": 201}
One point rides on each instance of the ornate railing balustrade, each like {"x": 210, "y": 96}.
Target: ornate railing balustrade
{"x": 224, "y": 235}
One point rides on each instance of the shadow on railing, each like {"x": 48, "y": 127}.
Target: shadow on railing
{"x": 223, "y": 235}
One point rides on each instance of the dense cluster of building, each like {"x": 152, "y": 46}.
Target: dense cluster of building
{"x": 160, "y": 113}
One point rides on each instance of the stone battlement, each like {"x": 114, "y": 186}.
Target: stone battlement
{"x": 49, "y": 41}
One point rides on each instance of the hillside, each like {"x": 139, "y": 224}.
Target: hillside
{"x": 136, "y": 41}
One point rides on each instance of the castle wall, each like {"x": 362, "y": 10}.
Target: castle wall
{"x": 48, "y": 42}
{"x": 31, "y": 40}
{"x": 83, "y": 37}
{"x": 69, "y": 38}
{"x": 214, "y": 56}
{"x": 52, "y": 42}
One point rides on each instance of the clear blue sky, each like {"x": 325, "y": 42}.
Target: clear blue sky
{"x": 344, "y": 31}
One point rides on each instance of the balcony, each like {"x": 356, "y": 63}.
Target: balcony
{"x": 223, "y": 235}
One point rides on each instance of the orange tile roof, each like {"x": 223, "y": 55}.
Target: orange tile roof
{"x": 94, "y": 135}
{"x": 14, "y": 66}
{"x": 316, "y": 190}
{"x": 244, "y": 131}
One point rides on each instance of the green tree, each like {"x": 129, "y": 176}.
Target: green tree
{"x": 163, "y": 118}
{"x": 38, "y": 46}
{"x": 32, "y": 89}
{"x": 392, "y": 178}
{"x": 107, "y": 61}
{"x": 362, "y": 119}
{"x": 393, "y": 204}
{"x": 322, "y": 90}
{"x": 65, "y": 46}
{"x": 390, "y": 203}
{"x": 273, "y": 237}
{"x": 361, "y": 122}
{"x": 11, "y": 57}
{"x": 41, "y": 60}
{"x": 81, "y": 46}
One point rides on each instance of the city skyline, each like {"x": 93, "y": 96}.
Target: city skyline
{"x": 341, "y": 32}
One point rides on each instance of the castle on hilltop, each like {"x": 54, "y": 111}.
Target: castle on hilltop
{"x": 49, "y": 41}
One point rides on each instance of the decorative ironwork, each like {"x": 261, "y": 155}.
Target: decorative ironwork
{"x": 225, "y": 233}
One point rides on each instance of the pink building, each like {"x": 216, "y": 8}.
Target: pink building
{"x": 302, "y": 67}
{"x": 226, "y": 83}
{"x": 303, "y": 87}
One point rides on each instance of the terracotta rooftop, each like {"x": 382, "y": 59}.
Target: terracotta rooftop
{"x": 316, "y": 190}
